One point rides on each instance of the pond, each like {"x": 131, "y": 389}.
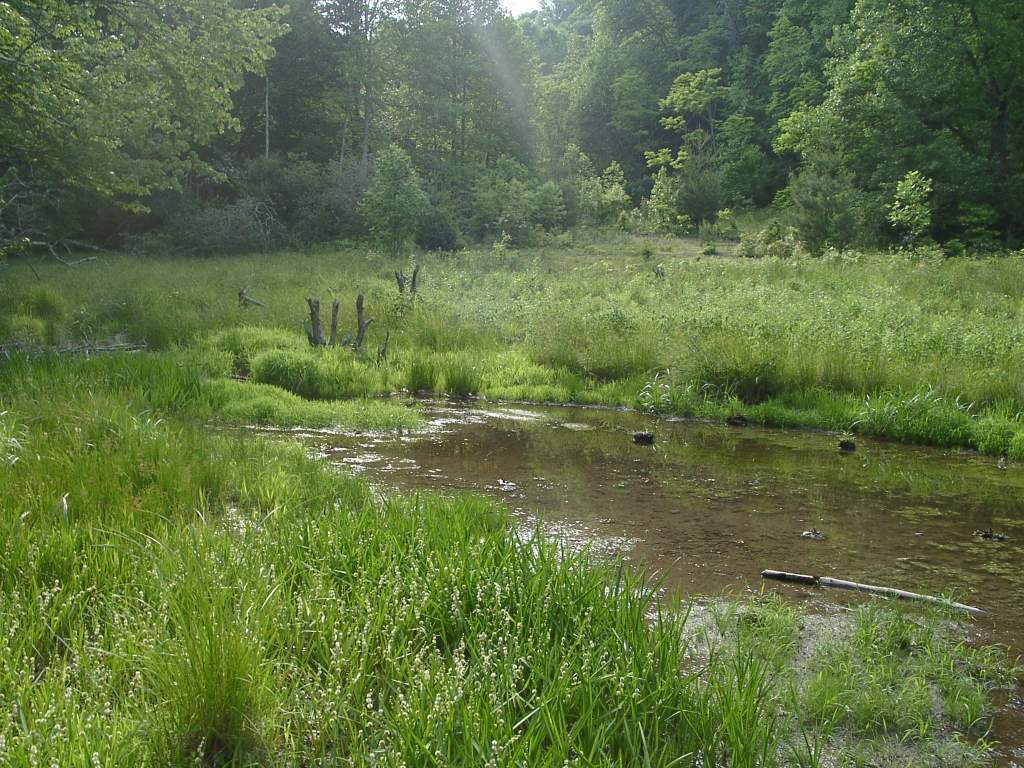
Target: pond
{"x": 709, "y": 506}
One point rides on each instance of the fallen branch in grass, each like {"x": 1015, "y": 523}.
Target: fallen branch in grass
{"x": 245, "y": 300}
{"x": 80, "y": 349}
{"x": 825, "y": 581}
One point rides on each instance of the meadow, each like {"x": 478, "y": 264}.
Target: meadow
{"x": 176, "y": 594}
{"x": 903, "y": 345}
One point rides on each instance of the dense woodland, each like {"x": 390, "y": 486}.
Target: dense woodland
{"x": 208, "y": 126}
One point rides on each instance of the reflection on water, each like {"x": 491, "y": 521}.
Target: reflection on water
{"x": 710, "y": 506}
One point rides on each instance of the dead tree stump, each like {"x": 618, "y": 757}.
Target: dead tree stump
{"x": 362, "y": 323}
{"x": 335, "y": 306}
{"x": 412, "y": 284}
{"x": 314, "y": 331}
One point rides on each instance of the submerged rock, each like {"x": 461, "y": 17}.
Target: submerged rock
{"x": 847, "y": 446}
{"x": 737, "y": 420}
{"x": 643, "y": 438}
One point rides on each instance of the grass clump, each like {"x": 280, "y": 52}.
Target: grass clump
{"x": 266, "y": 405}
{"x": 421, "y": 375}
{"x": 459, "y": 374}
{"x": 900, "y": 675}
{"x": 324, "y": 375}
{"x": 247, "y": 341}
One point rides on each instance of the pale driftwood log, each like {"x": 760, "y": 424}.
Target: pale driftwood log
{"x": 315, "y": 330}
{"x": 362, "y": 323}
{"x": 245, "y": 300}
{"x": 825, "y": 581}
{"x": 335, "y": 306}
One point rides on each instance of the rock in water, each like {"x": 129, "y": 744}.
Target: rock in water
{"x": 989, "y": 535}
{"x": 737, "y": 421}
{"x": 643, "y": 438}
{"x": 813, "y": 534}
{"x": 847, "y": 446}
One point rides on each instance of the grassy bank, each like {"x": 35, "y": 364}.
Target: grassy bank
{"x": 172, "y": 597}
{"x": 900, "y": 346}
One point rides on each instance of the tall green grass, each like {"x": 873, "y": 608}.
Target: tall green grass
{"x": 844, "y": 342}
{"x": 169, "y": 596}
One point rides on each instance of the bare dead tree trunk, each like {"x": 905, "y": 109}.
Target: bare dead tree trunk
{"x": 266, "y": 117}
{"x": 314, "y": 331}
{"x": 415, "y": 277}
{"x": 382, "y": 351}
{"x": 335, "y": 306}
{"x": 362, "y": 323}
{"x": 400, "y": 279}
{"x": 344, "y": 142}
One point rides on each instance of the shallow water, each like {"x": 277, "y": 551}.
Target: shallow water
{"x": 710, "y": 506}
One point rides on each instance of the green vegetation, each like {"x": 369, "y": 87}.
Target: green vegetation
{"x": 901, "y": 346}
{"x": 852, "y": 123}
{"x": 171, "y": 597}
{"x": 174, "y": 593}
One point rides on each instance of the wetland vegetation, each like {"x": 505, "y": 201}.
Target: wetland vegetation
{"x": 778, "y": 213}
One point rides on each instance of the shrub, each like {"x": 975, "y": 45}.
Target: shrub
{"x": 910, "y": 209}
{"x": 24, "y": 329}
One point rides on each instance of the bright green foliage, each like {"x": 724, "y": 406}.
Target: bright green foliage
{"x": 116, "y": 99}
{"x": 395, "y": 200}
{"x": 910, "y": 209}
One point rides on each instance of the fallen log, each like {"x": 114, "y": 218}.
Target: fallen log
{"x": 825, "y": 581}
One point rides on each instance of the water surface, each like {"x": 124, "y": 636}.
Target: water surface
{"x": 710, "y": 506}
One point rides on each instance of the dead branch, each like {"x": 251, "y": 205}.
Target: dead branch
{"x": 245, "y": 300}
{"x": 382, "y": 351}
{"x": 825, "y": 581}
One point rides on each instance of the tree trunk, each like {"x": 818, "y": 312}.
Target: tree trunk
{"x": 363, "y": 324}
{"x": 344, "y": 142}
{"x": 1000, "y": 140}
{"x": 367, "y": 99}
{"x": 314, "y": 331}
{"x": 266, "y": 117}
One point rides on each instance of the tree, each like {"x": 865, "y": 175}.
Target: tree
{"x": 926, "y": 86}
{"x": 395, "y": 200}
{"x": 116, "y": 98}
{"x": 910, "y": 209}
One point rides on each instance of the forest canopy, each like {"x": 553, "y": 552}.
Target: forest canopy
{"x": 213, "y": 126}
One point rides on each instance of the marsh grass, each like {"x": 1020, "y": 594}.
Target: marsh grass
{"x": 845, "y": 342}
{"x": 174, "y": 597}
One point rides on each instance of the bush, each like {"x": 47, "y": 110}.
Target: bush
{"x": 439, "y": 231}
{"x": 24, "y": 329}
